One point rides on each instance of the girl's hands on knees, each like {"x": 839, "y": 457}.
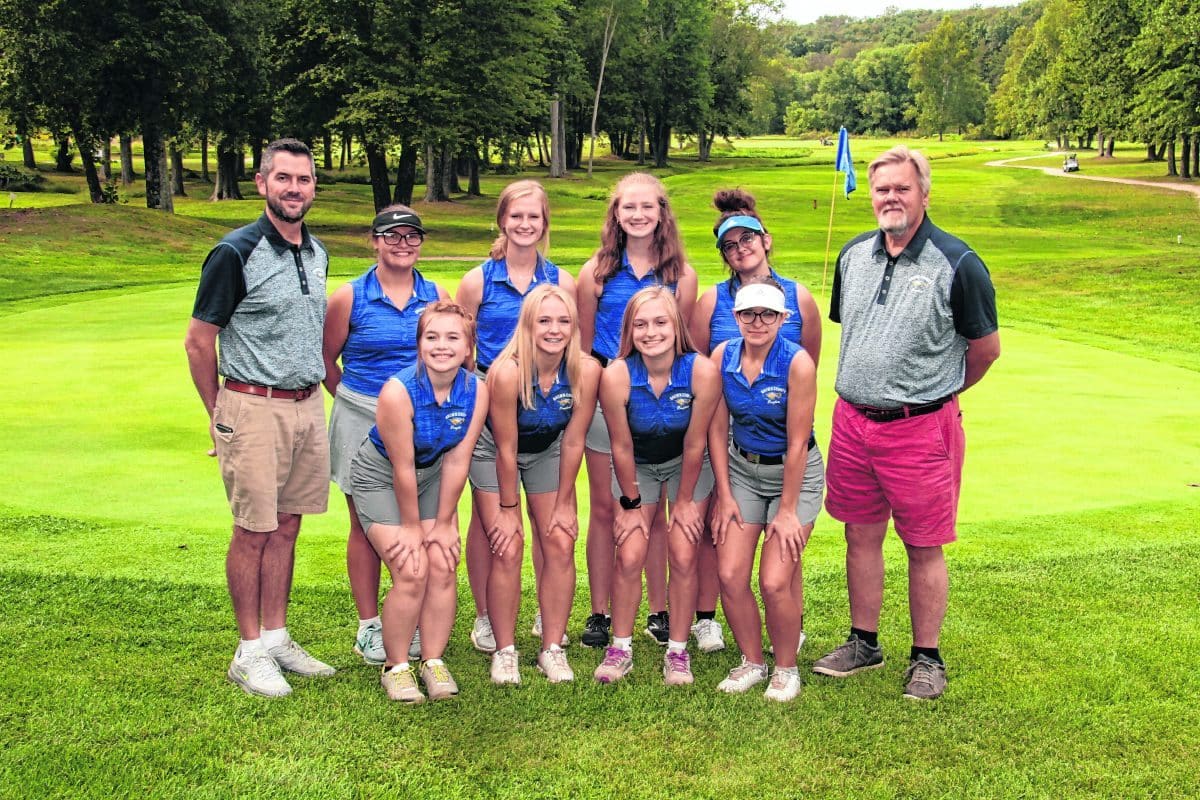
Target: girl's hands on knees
{"x": 792, "y": 536}
{"x": 686, "y": 515}
{"x": 405, "y": 548}
{"x": 443, "y": 538}
{"x": 626, "y": 522}
{"x": 725, "y": 514}
{"x": 505, "y": 530}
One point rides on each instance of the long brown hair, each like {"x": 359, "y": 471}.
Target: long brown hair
{"x": 521, "y": 348}
{"x": 668, "y": 247}
{"x": 515, "y": 191}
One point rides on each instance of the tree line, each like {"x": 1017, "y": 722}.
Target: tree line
{"x": 432, "y": 93}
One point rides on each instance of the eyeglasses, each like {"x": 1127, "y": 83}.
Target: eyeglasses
{"x": 745, "y": 240}
{"x": 747, "y": 316}
{"x": 412, "y": 238}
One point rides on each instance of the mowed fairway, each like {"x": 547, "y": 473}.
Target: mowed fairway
{"x": 1072, "y": 624}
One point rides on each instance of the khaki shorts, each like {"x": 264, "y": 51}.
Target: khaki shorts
{"x": 652, "y": 477}
{"x": 274, "y": 457}
{"x": 375, "y": 490}
{"x": 538, "y": 472}
{"x": 756, "y": 488}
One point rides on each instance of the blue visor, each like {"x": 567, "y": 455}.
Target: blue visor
{"x": 738, "y": 222}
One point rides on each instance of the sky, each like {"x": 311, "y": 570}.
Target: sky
{"x": 808, "y": 11}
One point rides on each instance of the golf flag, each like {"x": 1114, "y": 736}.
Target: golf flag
{"x": 844, "y": 162}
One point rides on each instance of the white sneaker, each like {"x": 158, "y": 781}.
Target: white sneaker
{"x": 257, "y": 673}
{"x": 401, "y": 685}
{"x": 536, "y": 630}
{"x": 482, "y": 637}
{"x": 505, "y": 668}
{"x": 293, "y": 658}
{"x": 414, "y": 647}
{"x": 743, "y": 676}
{"x": 709, "y": 637}
{"x": 784, "y": 686}
{"x": 369, "y": 644}
{"x": 553, "y": 664}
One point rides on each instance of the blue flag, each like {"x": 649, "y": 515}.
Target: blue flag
{"x": 844, "y": 162}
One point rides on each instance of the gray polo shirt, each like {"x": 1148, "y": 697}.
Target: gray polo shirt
{"x": 268, "y": 297}
{"x": 906, "y": 320}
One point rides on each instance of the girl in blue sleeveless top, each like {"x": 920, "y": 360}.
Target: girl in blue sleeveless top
{"x": 658, "y": 397}
{"x": 407, "y": 477}
{"x": 493, "y": 293}
{"x": 640, "y": 247}
{"x": 769, "y": 477}
{"x": 745, "y": 247}
{"x": 370, "y": 335}
{"x": 542, "y": 390}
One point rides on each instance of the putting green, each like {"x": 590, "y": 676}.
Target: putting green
{"x": 101, "y": 421}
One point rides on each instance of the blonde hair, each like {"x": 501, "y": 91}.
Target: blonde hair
{"x": 449, "y": 308}
{"x": 515, "y": 191}
{"x": 683, "y": 342}
{"x": 900, "y": 155}
{"x": 669, "y": 259}
{"x": 522, "y": 349}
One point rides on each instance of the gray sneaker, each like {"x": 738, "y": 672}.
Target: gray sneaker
{"x": 294, "y": 658}
{"x": 850, "y": 658}
{"x": 257, "y": 673}
{"x": 414, "y": 647}
{"x": 369, "y": 644}
{"x": 925, "y": 679}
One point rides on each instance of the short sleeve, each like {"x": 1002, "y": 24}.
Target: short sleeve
{"x": 222, "y": 286}
{"x": 835, "y": 295}
{"x": 973, "y": 298}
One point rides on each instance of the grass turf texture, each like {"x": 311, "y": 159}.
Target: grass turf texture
{"x": 1073, "y": 588}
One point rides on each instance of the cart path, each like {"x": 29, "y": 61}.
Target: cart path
{"x": 1193, "y": 189}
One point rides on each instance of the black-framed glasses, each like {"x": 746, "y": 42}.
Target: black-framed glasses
{"x": 745, "y": 240}
{"x": 747, "y": 316}
{"x": 412, "y": 238}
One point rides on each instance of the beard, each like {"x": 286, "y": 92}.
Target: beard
{"x": 898, "y": 227}
{"x": 276, "y": 205}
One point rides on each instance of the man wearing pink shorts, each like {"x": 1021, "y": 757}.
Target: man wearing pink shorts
{"x": 918, "y": 316}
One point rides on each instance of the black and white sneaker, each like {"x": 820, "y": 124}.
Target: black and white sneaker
{"x": 595, "y": 631}
{"x": 658, "y": 627}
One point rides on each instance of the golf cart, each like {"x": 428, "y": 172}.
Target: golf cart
{"x": 1071, "y": 163}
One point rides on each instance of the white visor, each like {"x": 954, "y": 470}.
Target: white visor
{"x": 759, "y": 295}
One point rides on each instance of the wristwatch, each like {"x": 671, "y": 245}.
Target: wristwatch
{"x": 630, "y": 503}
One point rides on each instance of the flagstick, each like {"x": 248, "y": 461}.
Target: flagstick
{"x": 829, "y": 231}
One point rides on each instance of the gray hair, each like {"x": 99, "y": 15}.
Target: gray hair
{"x": 899, "y": 155}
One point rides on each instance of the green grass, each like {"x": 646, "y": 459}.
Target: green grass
{"x": 1072, "y": 614}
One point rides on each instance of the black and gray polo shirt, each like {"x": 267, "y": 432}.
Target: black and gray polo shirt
{"x": 906, "y": 319}
{"x": 268, "y": 297}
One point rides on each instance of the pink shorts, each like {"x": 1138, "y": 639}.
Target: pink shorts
{"x": 909, "y": 470}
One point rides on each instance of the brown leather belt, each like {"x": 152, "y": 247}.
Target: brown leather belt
{"x": 270, "y": 391}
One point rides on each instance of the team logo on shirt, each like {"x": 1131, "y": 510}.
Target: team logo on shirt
{"x": 456, "y": 419}
{"x": 919, "y": 283}
{"x": 774, "y": 395}
{"x": 681, "y": 400}
{"x": 564, "y": 400}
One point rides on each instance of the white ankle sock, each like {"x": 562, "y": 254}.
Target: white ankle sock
{"x": 623, "y": 643}
{"x": 274, "y": 638}
{"x": 676, "y": 647}
{"x": 363, "y": 624}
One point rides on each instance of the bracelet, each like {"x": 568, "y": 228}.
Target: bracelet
{"x": 514, "y": 505}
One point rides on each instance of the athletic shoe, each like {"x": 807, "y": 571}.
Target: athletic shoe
{"x": 925, "y": 679}
{"x": 616, "y": 665}
{"x": 401, "y": 685}
{"x": 482, "y": 637}
{"x": 595, "y": 631}
{"x": 709, "y": 637}
{"x": 784, "y": 686}
{"x": 658, "y": 627}
{"x": 369, "y": 644}
{"x": 742, "y": 677}
{"x": 799, "y": 644}
{"x": 257, "y": 673}
{"x": 439, "y": 683}
{"x": 293, "y": 658}
{"x": 677, "y": 668}
{"x": 505, "y": 668}
{"x": 414, "y": 647}
{"x": 536, "y": 630}
{"x": 553, "y": 664}
{"x": 851, "y": 657}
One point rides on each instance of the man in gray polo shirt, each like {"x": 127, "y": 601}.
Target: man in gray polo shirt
{"x": 918, "y": 317}
{"x": 262, "y": 297}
